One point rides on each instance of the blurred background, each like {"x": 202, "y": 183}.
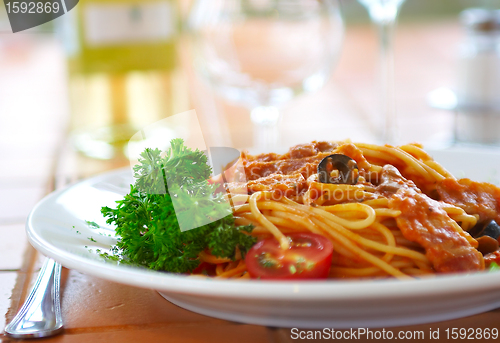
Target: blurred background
{"x": 51, "y": 71}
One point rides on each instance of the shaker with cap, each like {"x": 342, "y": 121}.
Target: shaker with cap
{"x": 478, "y": 88}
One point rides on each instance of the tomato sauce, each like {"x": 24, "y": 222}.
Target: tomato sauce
{"x": 423, "y": 221}
{"x": 473, "y": 197}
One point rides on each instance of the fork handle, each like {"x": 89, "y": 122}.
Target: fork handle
{"x": 40, "y": 315}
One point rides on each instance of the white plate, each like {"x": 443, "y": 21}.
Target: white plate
{"x": 57, "y": 228}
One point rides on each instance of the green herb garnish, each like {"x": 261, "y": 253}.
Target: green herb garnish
{"x": 147, "y": 222}
{"x": 494, "y": 267}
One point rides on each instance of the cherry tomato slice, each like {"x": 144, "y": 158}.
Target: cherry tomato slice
{"x": 309, "y": 257}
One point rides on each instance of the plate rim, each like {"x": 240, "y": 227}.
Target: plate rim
{"x": 328, "y": 290}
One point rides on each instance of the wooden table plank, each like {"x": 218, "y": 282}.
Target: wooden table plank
{"x": 13, "y": 243}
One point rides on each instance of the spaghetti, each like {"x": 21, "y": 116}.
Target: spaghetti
{"x": 393, "y": 222}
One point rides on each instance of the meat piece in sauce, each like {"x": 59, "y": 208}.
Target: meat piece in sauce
{"x": 303, "y": 159}
{"x": 297, "y": 151}
{"x": 305, "y": 166}
{"x": 423, "y": 221}
{"x": 279, "y": 184}
{"x": 392, "y": 181}
{"x": 310, "y": 149}
{"x": 473, "y": 197}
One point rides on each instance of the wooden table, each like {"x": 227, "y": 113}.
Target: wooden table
{"x": 35, "y": 158}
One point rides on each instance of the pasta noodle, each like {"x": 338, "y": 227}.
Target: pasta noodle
{"x": 373, "y": 234}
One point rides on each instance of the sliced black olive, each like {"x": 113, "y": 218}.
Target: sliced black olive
{"x": 347, "y": 167}
{"x": 487, "y": 234}
{"x": 490, "y": 229}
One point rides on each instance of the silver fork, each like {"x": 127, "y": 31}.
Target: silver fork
{"x": 40, "y": 316}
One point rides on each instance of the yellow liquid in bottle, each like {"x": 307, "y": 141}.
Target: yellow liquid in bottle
{"x": 123, "y": 72}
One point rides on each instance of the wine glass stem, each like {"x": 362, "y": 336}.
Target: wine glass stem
{"x": 266, "y": 133}
{"x": 386, "y": 32}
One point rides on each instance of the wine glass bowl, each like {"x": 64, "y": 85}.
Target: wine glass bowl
{"x": 263, "y": 53}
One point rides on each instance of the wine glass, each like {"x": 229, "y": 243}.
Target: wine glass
{"x": 262, "y": 53}
{"x": 384, "y": 14}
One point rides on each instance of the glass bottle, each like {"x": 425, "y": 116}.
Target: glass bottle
{"x": 123, "y": 71}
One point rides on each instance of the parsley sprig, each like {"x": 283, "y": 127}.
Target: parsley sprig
{"x": 147, "y": 223}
